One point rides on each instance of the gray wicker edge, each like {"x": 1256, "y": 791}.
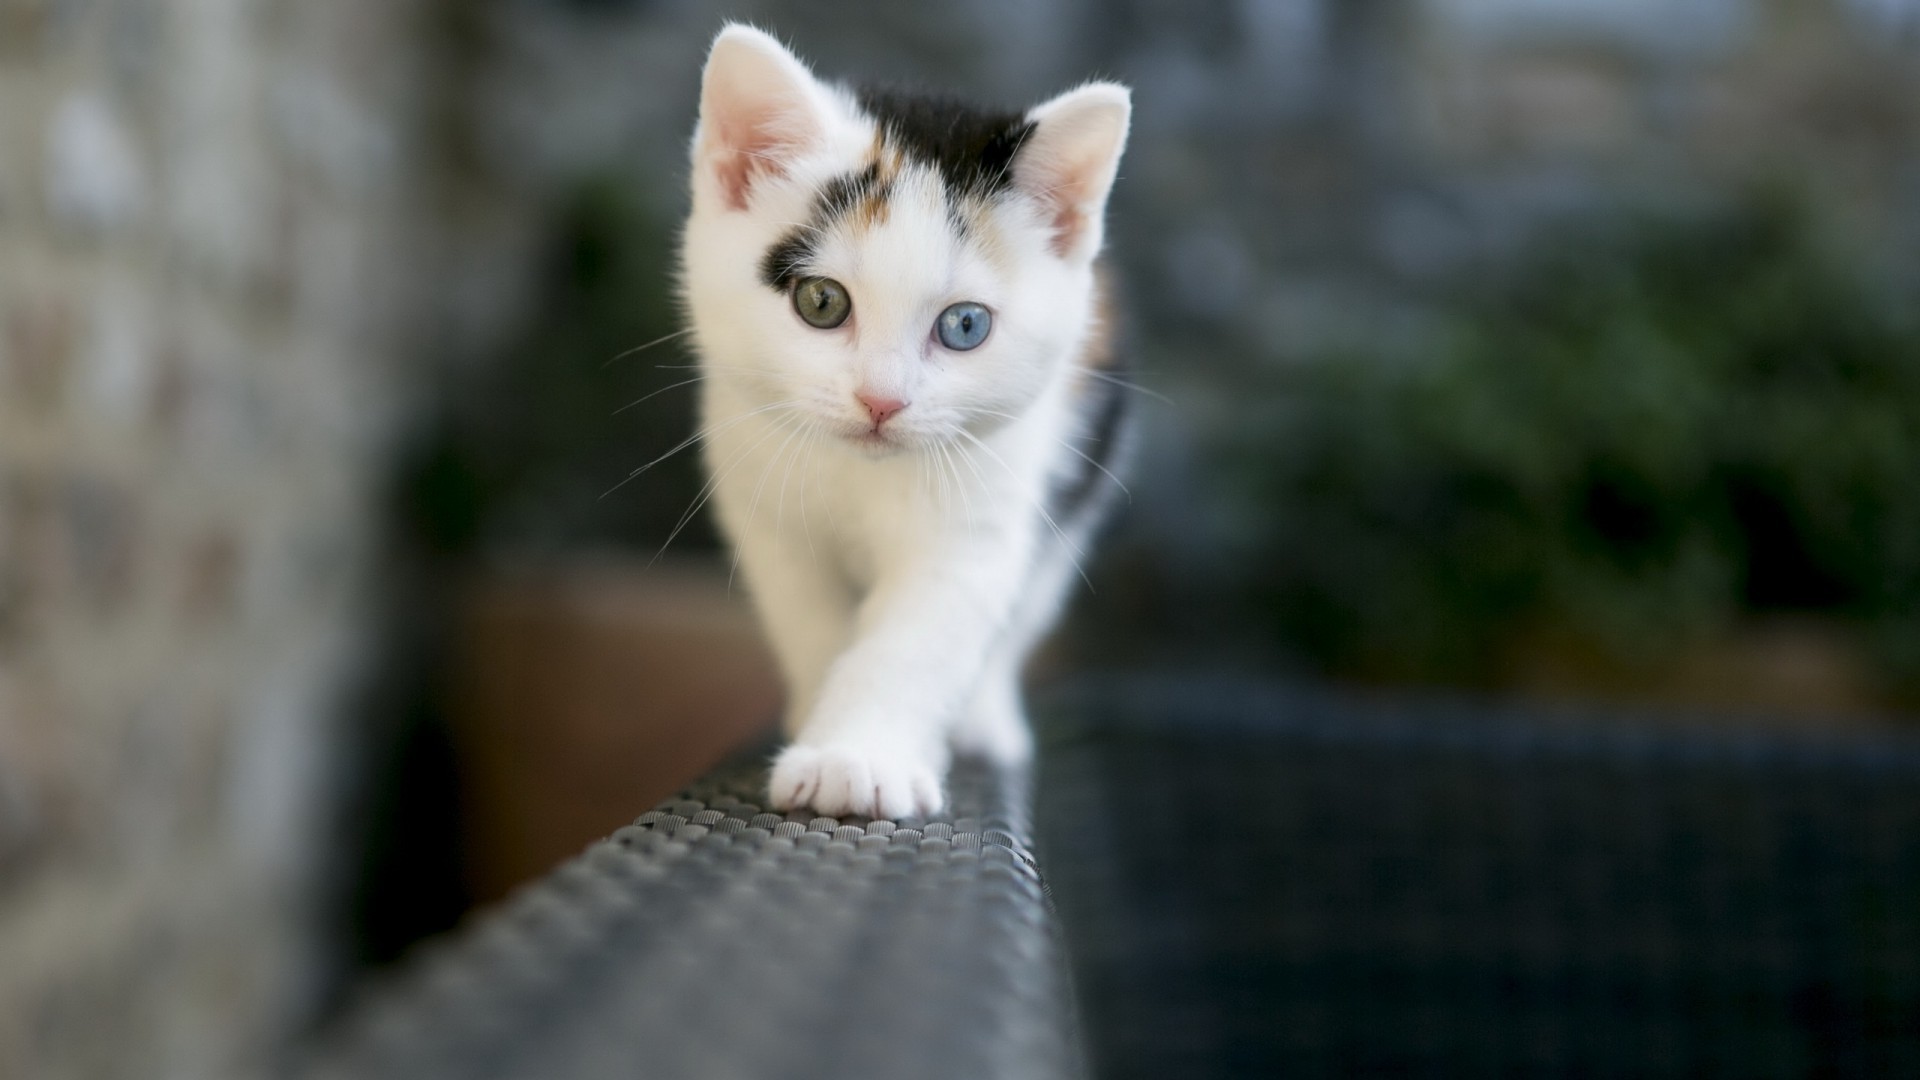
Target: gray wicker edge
{"x": 712, "y": 939}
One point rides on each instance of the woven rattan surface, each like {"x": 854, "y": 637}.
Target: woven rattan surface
{"x": 712, "y": 940}
{"x": 1268, "y": 881}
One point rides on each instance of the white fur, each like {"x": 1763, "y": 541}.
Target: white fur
{"x": 901, "y": 585}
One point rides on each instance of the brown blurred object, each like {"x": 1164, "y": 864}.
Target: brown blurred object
{"x": 1790, "y": 673}
{"x": 583, "y": 694}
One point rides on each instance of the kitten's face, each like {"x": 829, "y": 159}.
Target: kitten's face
{"x": 892, "y": 271}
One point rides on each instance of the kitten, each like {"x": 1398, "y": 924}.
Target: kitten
{"x": 909, "y": 428}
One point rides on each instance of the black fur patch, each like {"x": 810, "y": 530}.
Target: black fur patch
{"x": 840, "y": 195}
{"x": 973, "y": 148}
{"x": 784, "y": 260}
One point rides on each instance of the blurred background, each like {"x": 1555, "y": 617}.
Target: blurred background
{"x": 1556, "y": 349}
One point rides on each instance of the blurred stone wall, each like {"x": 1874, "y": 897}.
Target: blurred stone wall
{"x": 209, "y": 299}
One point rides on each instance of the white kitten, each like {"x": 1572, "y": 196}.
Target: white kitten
{"x": 908, "y": 421}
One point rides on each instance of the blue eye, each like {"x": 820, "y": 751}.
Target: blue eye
{"x": 963, "y": 326}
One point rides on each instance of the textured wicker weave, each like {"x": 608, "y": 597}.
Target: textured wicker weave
{"x": 1253, "y": 883}
{"x": 710, "y": 940}
{"x": 1261, "y": 882}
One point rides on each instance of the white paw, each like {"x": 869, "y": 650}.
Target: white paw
{"x": 868, "y": 780}
{"x": 994, "y": 727}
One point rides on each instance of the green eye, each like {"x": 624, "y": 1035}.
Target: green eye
{"x": 963, "y": 326}
{"x": 822, "y": 302}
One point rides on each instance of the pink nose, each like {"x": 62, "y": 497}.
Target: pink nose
{"x": 879, "y": 407}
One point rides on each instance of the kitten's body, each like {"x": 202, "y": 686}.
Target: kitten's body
{"x": 909, "y": 516}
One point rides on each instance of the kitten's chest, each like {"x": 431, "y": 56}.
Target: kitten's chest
{"x": 851, "y": 514}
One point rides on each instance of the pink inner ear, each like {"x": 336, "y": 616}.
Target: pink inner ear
{"x": 746, "y": 147}
{"x": 1067, "y": 163}
{"x": 743, "y": 153}
{"x": 1061, "y": 192}
{"x": 1067, "y": 221}
{"x": 734, "y": 170}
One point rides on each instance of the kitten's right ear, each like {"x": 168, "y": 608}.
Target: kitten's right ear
{"x": 1069, "y": 160}
{"x": 759, "y": 108}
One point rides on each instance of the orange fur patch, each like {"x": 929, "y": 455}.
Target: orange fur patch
{"x": 885, "y": 161}
{"x": 1099, "y": 354}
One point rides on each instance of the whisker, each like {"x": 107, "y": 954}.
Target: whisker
{"x": 644, "y": 348}
{"x": 707, "y": 490}
{"x": 657, "y": 393}
{"x": 702, "y": 433}
{"x": 1124, "y": 384}
{"x": 959, "y": 482}
{"x": 806, "y": 527}
{"x": 1006, "y": 166}
{"x": 938, "y": 475}
{"x": 756, "y": 154}
{"x": 946, "y": 494}
{"x": 948, "y": 491}
{"x": 826, "y": 497}
{"x": 1073, "y": 551}
{"x": 753, "y": 508}
{"x": 1074, "y": 450}
{"x": 972, "y": 467}
{"x": 710, "y": 367}
{"x": 934, "y": 483}
{"x": 780, "y": 509}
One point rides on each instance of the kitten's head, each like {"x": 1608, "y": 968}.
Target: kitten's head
{"x": 898, "y": 268}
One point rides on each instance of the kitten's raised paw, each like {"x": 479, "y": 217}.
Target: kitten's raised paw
{"x": 872, "y": 782}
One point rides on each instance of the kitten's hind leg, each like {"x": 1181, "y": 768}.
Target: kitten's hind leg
{"x": 994, "y": 724}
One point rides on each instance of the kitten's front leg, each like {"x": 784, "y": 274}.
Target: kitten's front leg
{"x": 876, "y": 740}
{"x": 806, "y": 611}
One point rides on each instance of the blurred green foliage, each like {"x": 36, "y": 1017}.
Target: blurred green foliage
{"x": 1644, "y": 437}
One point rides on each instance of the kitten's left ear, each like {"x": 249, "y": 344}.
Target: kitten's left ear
{"x": 1069, "y": 160}
{"x": 759, "y": 108}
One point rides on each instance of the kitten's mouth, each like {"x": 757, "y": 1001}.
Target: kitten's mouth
{"x": 876, "y": 440}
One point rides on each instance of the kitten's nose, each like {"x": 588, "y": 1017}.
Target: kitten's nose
{"x": 879, "y": 407}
